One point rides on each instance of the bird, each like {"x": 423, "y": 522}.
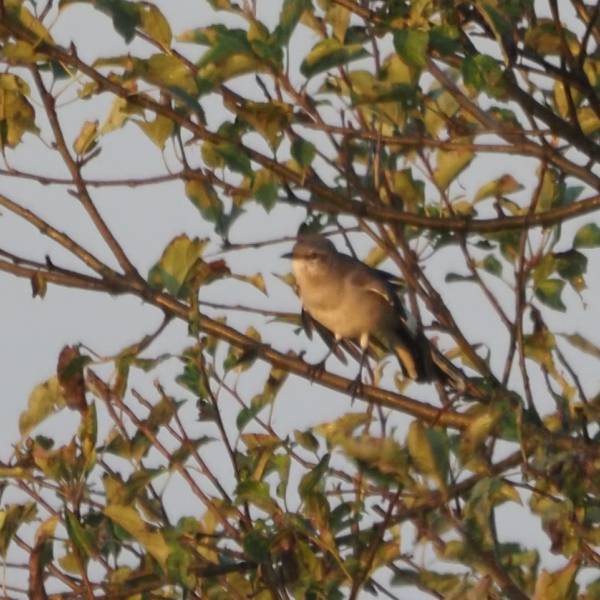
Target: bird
{"x": 359, "y": 303}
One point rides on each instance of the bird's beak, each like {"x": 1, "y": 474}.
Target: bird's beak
{"x": 288, "y": 255}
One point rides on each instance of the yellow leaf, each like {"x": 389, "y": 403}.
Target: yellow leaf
{"x": 44, "y": 400}
{"x": 119, "y": 114}
{"x": 270, "y": 119}
{"x": 476, "y": 433}
{"x": 557, "y": 585}
{"x": 70, "y": 563}
{"x": 128, "y": 518}
{"x": 17, "y": 115}
{"x": 16, "y": 9}
{"x": 449, "y": 164}
{"x": 341, "y": 428}
{"x": 86, "y": 140}
{"x": 154, "y": 23}
{"x": 395, "y": 70}
{"x": 582, "y": 343}
{"x": 231, "y": 66}
{"x": 588, "y": 120}
{"x": 428, "y": 451}
{"x": 339, "y": 19}
{"x": 158, "y": 130}
{"x": 176, "y": 264}
{"x": 257, "y": 280}
{"x": 260, "y": 440}
{"x": 410, "y": 191}
{"x": 169, "y": 71}
{"x": 13, "y": 83}
{"x": 506, "y": 184}
{"x": 46, "y": 529}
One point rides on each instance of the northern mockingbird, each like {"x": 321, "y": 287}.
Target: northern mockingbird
{"x": 357, "y": 302}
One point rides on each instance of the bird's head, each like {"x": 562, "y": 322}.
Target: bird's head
{"x": 311, "y": 255}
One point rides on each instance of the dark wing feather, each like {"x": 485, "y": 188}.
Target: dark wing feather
{"x": 307, "y": 324}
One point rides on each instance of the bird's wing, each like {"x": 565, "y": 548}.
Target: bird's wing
{"x": 394, "y": 280}
{"x": 372, "y": 281}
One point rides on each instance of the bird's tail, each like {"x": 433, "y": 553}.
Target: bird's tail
{"x": 421, "y": 361}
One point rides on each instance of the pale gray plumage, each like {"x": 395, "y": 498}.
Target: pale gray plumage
{"x": 357, "y": 302}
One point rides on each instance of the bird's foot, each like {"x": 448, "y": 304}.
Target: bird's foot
{"x": 356, "y": 388}
{"x": 316, "y": 370}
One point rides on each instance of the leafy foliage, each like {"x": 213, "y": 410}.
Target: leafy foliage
{"x": 460, "y": 139}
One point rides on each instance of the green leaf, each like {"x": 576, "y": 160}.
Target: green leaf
{"x": 180, "y": 566}
{"x": 274, "y": 382}
{"x": 291, "y": 11}
{"x": 235, "y": 158}
{"x": 492, "y": 265}
{"x": 265, "y": 188}
{"x": 83, "y": 539}
{"x": 330, "y": 53}
{"x": 246, "y": 415}
{"x": 587, "y": 236}
{"x": 45, "y": 399}
{"x": 257, "y": 493}
{"x": 411, "y": 45}
{"x": 483, "y": 73}
{"x": 242, "y": 359}
{"x": 230, "y": 54}
{"x": 572, "y": 266}
{"x": 175, "y": 268}
{"x": 549, "y": 292}
{"x": 444, "y": 39}
{"x": 161, "y": 413}
{"x": 183, "y": 452}
{"x": 257, "y": 546}
{"x": 125, "y": 15}
{"x": 303, "y": 151}
{"x": 457, "y": 277}
{"x": 315, "y": 478}
{"x": 307, "y": 440}
{"x": 205, "y": 199}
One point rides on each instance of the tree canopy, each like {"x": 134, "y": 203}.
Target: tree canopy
{"x": 452, "y": 143}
